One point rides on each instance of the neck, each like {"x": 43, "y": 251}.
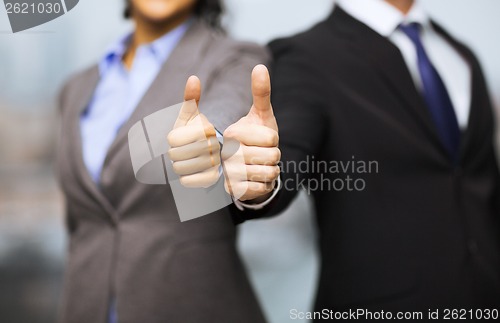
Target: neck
{"x": 148, "y": 31}
{"x": 402, "y": 5}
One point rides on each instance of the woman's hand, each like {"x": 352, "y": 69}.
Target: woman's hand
{"x": 195, "y": 150}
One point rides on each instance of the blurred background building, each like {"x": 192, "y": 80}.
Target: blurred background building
{"x": 280, "y": 253}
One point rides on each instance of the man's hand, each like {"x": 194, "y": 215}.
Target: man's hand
{"x": 195, "y": 149}
{"x": 250, "y": 153}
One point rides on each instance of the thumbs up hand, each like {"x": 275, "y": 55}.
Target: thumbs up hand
{"x": 195, "y": 150}
{"x": 250, "y": 153}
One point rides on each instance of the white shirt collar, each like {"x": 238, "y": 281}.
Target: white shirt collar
{"x": 381, "y": 16}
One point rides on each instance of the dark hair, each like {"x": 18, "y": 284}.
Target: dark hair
{"x": 210, "y": 11}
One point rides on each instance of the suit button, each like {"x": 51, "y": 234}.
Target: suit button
{"x": 472, "y": 246}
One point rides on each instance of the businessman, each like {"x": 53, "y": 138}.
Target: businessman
{"x": 380, "y": 81}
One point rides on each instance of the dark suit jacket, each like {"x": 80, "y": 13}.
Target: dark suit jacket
{"x": 125, "y": 238}
{"x": 423, "y": 233}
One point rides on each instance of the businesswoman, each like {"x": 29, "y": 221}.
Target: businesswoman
{"x": 130, "y": 259}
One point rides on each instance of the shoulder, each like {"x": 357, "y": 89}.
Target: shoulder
{"x": 302, "y": 56}
{"x": 75, "y": 79}
{"x": 305, "y": 42}
{"x": 72, "y": 87}
{"x": 223, "y": 47}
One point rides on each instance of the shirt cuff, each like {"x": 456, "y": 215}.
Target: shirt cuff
{"x": 219, "y": 136}
{"x": 242, "y": 205}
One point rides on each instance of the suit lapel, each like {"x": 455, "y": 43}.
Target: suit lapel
{"x": 88, "y": 85}
{"x": 477, "y": 118}
{"x": 386, "y": 58}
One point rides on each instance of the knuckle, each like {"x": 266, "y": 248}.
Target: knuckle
{"x": 171, "y": 154}
{"x": 261, "y": 189}
{"x": 212, "y": 145}
{"x": 268, "y": 173}
{"x": 275, "y": 172}
{"x": 276, "y": 155}
{"x": 271, "y": 173}
{"x": 214, "y": 173}
{"x": 184, "y": 181}
{"x": 217, "y": 159}
{"x": 271, "y": 139}
{"x": 177, "y": 167}
{"x": 276, "y": 138}
{"x": 171, "y": 138}
{"x": 208, "y": 128}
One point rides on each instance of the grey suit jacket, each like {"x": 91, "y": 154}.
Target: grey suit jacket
{"x": 125, "y": 239}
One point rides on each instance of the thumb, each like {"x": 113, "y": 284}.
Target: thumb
{"x": 261, "y": 91}
{"x": 192, "y": 91}
{"x": 192, "y": 95}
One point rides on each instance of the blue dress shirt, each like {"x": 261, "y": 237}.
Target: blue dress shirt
{"x": 119, "y": 92}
